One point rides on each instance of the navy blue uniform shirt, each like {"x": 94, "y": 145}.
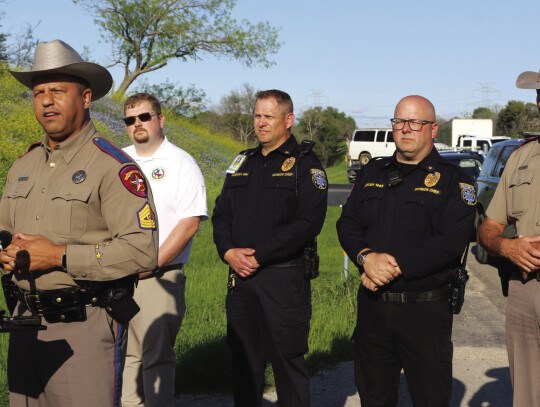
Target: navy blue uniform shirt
{"x": 425, "y": 222}
{"x": 258, "y": 207}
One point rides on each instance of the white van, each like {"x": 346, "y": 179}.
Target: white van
{"x": 367, "y": 143}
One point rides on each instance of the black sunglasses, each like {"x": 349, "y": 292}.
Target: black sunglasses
{"x": 143, "y": 117}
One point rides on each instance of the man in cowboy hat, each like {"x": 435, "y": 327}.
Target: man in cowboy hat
{"x": 82, "y": 222}
{"x": 515, "y": 202}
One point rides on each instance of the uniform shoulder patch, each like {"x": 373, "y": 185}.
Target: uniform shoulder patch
{"x": 468, "y": 194}
{"x": 319, "y": 178}
{"x": 107, "y": 147}
{"x": 147, "y": 219}
{"x": 133, "y": 180}
{"x": 31, "y": 147}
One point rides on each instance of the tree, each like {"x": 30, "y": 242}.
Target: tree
{"x": 236, "y": 110}
{"x": 329, "y": 128}
{"x": 20, "y": 53}
{"x": 186, "y": 102}
{"x": 145, "y": 35}
{"x": 484, "y": 113}
{"x": 517, "y": 117}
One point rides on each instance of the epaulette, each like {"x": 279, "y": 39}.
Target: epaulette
{"x": 31, "y": 147}
{"x": 528, "y": 141}
{"x": 107, "y": 147}
{"x": 249, "y": 152}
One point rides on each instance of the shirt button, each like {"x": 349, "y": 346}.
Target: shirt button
{"x": 37, "y": 217}
{"x": 538, "y": 223}
{"x": 42, "y": 190}
{"x": 84, "y": 275}
{"x": 68, "y": 195}
{"x": 73, "y": 275}
{"x": 52, "y": 165}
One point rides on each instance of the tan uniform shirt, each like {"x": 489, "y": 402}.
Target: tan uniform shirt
{"x": 516, "y": 199}
{"x": 75, "y": 195}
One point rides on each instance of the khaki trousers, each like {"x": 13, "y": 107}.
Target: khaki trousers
{"x": 523, "y": 341}
{"x": 68, "y": 364}
{"x": 150, "y": 360}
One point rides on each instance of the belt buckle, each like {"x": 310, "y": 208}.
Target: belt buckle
{"x": 402, "y": 297}
{"x": 33, "y": 303}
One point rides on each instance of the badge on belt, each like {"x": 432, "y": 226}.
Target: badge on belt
{"x": 236, "y": 164}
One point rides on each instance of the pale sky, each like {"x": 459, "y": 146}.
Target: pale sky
{"x": 358, "y": 56}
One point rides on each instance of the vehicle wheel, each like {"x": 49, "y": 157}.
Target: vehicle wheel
{"x": 482, "y": 256}
{"x": 364, "y": 158}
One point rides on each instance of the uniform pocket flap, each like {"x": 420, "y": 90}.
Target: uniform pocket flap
{"x": 71, "y": 194}
{"x": 18, "y": 190}
{"x": 521, "y": 177}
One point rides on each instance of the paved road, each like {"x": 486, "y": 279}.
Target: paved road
{"x": 481, "y": 375}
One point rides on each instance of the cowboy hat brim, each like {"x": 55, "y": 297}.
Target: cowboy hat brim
{"x": 528, "y": 80}
{"x": 99, "y": 79}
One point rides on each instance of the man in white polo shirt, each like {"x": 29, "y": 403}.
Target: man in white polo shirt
{"x": 180, "y": 197}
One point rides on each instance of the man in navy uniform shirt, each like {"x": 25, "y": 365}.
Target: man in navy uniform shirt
{"x": 405, "y": 225}
{"x": 272, "y": 206}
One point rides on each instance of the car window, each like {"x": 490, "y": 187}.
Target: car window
{"x": 390, "y": 137}
{"x": 467, "y": 143}
{"x": 364, "y": 135}
{"x": 490, "y": 161}
{"x": 380, "y": 136}
{"x": 471, "y": 166}
{"x": 502, "y": 161}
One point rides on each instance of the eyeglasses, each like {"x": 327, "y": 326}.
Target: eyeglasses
{"x": 414, "y": 124}
{"x": 143, "y": 117}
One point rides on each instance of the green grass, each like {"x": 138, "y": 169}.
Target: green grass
{"x": 203, "y": 359}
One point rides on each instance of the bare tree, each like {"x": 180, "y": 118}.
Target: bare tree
{"x": 236, "y": 110}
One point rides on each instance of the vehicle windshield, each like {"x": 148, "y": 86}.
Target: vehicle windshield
{"x": 471, "y": 166}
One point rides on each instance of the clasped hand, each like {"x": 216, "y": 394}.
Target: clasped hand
{"x": 28, "y": 253}
{"x": 379, "y": 270}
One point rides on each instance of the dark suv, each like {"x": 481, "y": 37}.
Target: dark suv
{"x": 487, "y": 183}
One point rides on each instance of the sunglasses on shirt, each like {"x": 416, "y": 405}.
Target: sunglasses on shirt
{"x": 143, "y": 117}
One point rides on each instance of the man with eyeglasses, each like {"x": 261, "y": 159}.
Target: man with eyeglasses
{"x": 405, "y": 225}
{"x": 515, "y": 202}
{"x": 180, "y": 197}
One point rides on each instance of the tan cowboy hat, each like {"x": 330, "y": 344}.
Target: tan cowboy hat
{"x": 57, "y": 57}
{"x": 528, "y": 80}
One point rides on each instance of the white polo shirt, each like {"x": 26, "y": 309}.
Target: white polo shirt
{"x": 178, "y": 188}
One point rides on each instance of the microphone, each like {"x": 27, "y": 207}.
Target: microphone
{"x": 5, "y": 239}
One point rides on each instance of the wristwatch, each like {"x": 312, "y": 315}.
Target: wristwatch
{"x": 361, "y": 258}
{"x": 64, "y": 261}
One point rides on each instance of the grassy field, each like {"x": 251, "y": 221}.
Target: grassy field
{"x": 203, "y": 359}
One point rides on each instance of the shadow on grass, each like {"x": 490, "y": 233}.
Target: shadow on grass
{"x": 206, "y": 368}
{"x": 341, "y": 350}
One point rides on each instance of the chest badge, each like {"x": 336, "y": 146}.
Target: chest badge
{"x": 319, "y": 178}
{"x": 78, "y": 177}
{"x": 287, "y": 164}
{"x": 158, "y": 173}
{"x": 236, "y": 164}
{"x": 468, "y": 194}
{"x": 432, "y": 179}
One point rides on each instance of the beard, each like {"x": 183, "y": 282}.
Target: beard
{"x": 141, "y": 136}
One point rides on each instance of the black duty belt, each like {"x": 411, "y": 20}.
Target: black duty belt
{"x": 169, "y": 267}
{"x": 64, "y": 305}
{"x": 299, "y": 261}
{"x": 419, "y": 296}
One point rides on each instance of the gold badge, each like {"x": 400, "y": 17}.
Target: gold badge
{"x": 287, "y": 164}
{"x": 432, "y": 179}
